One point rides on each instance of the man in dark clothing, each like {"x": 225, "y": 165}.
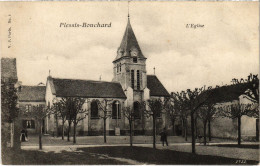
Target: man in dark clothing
{"x": 164, "y": 137}
{"x": 22, "y": 138}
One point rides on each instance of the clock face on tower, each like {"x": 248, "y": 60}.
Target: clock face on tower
{"x": 134, "y": 52}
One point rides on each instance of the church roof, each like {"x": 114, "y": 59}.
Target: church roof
{"x": 86, "y": 88}
{"x": 32, "y": 94}
{"x": 156, "y": 87}
{"x": 8, "y": 68}
{"x": 128, "y": 43}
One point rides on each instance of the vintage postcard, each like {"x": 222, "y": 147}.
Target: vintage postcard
{"x": 129, "y": 83}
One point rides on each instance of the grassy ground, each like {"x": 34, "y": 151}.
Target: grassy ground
{"x": 115, "y": 155}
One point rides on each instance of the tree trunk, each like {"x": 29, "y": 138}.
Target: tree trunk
{"x": 57, "y": 125}
{"x": 183, "y": 129}
{"x": 173, "y": 126}
{"x": 74, "y": 134}
{"x": 192, "y": 132}
{"x": 196, "y": 128}
{"x": 105, "y": 133}
{"x": 131, "y": 132}
{"x": 257, "y": 130}
{"x": 40, "y": 135}
{"x": 204, "y": 132}
{"x": 239, "y": 131}
{"x": 62, "y": 137}
{"x": 68, "y": 138}
{"x": 209, "y": 130}
{"x": 154, "y": 132}
{"x": 186, "y": 129}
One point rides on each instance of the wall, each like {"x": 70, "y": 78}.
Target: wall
{"x": 22, "y": 107}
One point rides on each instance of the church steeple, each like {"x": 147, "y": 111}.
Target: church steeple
{"x": 129, "y": 45}
{"x": 130, "y": 63}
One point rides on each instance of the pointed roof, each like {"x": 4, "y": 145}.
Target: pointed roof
{"x": 128, "y": 43}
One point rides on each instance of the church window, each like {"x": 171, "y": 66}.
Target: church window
{"x": 94, "y": 109}
{"x": 120, "y": 67}
{"x": 158, "y": 108}
{"x": 135, "y": 59}
{"x": 116, "y": 111}
{"x": 117, "y": 68}
{"x": 137, "y": 114}
{"x": 138, "y": 79}
{"x": 132, "y": 78}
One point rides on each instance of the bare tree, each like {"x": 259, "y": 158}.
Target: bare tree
{"x": 59, "y": 108}
{"x": 78, "y": 114}
{"x": 156, "y": 106}
{"x": 39, "y": 112}
{"x": 236, "y": 111}
{"x": 105, "y": 113}
{"x": 173, "y": 111}
{"x": 180, "y": 103}
{"x": 195, "y": 99}
{"x": 129, "y": 114}
{"x": 252, "y": 94}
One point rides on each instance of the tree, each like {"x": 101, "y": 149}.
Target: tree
{"x": 73, "y": 107}
{"x": 78, "y": 110}
{"x": 180, "y": 104}
{"x": 236, "y": 111}
{"x": 195, "y": 99}
{"x": 207, "y": 113}
{"x": 129, "y": 114}
{"x": 59, "y": 108}
{"x": 105, "y": 113}
{"x": 155, "y": 110}
{"x": 173, "y": 111}
{"x": 9, "y": 111}
{"x": 252, "y": 83}
{"x": 252, "y": 93}
{"x": 39, "y": 112}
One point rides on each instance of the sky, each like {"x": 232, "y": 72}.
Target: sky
{"x": 226, "y": 47}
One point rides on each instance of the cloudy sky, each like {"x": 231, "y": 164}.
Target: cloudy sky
{"x": 225, "y": 48}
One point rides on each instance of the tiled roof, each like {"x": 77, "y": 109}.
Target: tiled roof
{"x": 32, "y": 94}
{"x": 86, "y": 88}
{"x": 8, "y": 68}
{"x": 129, "y": 42}
{"x": 156, "y": 87}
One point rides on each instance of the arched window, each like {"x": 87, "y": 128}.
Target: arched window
{"x": 116, "y": 107}
{"x": 137, "y": 114}
{"x": 158, "y": 108}
{"x": 94, "y": 109}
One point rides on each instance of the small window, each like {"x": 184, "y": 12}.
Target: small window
{"x": 135, "y": 59}
{"x": 28, "y": 107}
{"x": 120, "y": 67}
{"x": 117, "y": 68}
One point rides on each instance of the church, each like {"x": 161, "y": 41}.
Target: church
{"x": 129, "y": 87}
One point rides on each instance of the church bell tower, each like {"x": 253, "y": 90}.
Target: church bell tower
{"x": 130, "y": 63}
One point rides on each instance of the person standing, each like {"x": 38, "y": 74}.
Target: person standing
{"x": 22, "y": 138}
{"x": 164, "y": 137}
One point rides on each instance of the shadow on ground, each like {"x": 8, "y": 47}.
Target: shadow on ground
{"x": 114, "y": 156}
